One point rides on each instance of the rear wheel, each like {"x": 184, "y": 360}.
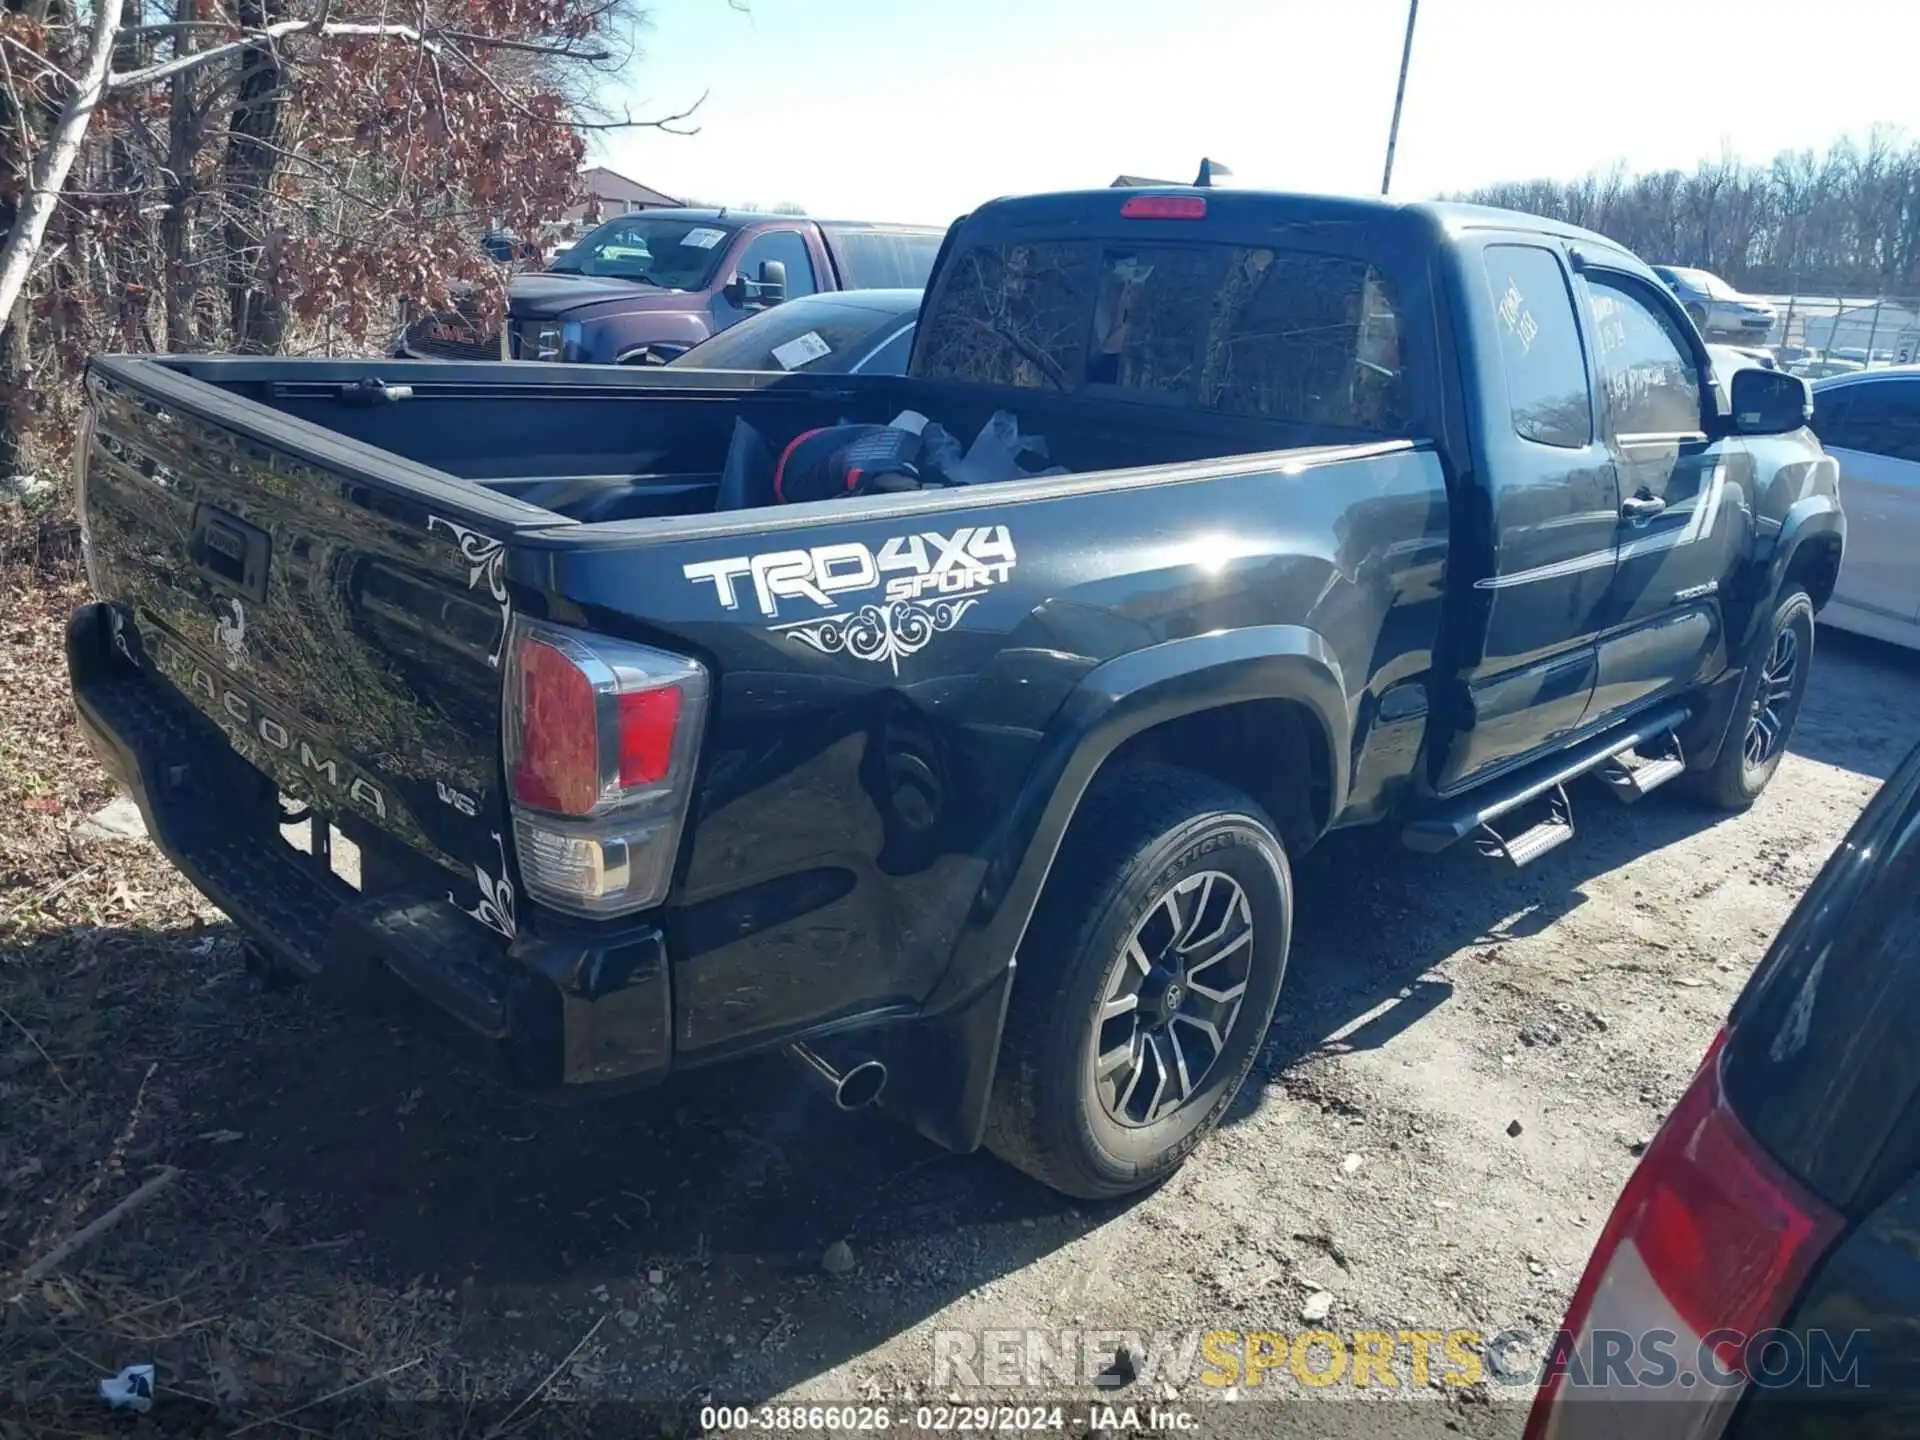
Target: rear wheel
{"x": 1698, "y": 316}
{"x": 1766, "y": 709}
{"x": 1146, "y": 983}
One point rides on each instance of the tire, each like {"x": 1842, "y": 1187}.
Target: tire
{"x": 1698, "y": 315}
{"x": 1147, "y": 852}
{"x": 1765, "y": 709}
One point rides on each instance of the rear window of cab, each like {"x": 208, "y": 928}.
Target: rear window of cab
{"x": 1252, "y": 331}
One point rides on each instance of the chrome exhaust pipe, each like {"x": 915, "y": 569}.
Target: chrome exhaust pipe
{"x": 850, "y": 1081}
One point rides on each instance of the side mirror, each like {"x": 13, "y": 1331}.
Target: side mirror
{"x": 1770, "y": 402}
{"x": 735, "y": 291}
{"x": 773, "y": 282}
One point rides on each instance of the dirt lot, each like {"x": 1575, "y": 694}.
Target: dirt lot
{"x": 354, "y": 1214}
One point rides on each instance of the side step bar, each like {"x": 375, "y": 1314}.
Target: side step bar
{"x": 1475, "y": 811}
{"x": 1536, "y": 840}
{"x": 1631, "y": 782}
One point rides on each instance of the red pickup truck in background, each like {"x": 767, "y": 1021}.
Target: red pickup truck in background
{"x": 643, "y": 288}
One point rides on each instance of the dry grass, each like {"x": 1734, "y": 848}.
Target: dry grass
{"x": 104, "y": 950}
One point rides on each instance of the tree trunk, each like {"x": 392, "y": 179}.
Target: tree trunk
{"x": 181, "y": 148}
{"x": 63, "y": 145}
{"x": 250, "y": 165}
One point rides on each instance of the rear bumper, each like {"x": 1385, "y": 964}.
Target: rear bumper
{"x": 565, "y": 1012}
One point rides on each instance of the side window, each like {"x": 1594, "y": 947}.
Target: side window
{"x": 1881, "y": 417}
{"x": 883, "y": 259}
{"x": 1547, "y": 390}
{"x": 1833, "y": 417}
{"x": 789, "y": 249}
{"x": 1651, "y": 385}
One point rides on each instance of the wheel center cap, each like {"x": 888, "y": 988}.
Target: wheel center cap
{"x": 1165, "y": 998}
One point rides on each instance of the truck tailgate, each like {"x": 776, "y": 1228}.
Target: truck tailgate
{"x": 338, "y": 613}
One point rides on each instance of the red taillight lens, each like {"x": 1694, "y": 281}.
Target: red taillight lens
{"x": 558, "y": 767}
{"x": 1164, "y": 207}
{"x": 601, "y": 739}
{"x": 1726, "y": 1233}
{"x": 1710, "y": 1235}
{"x": 647, "y": 723}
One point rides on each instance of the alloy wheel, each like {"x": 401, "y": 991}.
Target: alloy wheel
{"x": 1773, "y": 702}
{"x": 1172, "y": 998}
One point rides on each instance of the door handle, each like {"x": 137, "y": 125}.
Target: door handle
{"x": 1642, "y": 507}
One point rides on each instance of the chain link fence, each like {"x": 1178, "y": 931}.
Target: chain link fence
{"x": 1815, "y": 334}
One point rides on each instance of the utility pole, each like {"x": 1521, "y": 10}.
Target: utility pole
{"x": 1399, "y": 96}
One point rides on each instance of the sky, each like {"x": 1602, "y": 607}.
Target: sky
{"x": 917, "y": 110}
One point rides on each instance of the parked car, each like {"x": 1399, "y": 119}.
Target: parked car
{"x": 1714, "y": 306}
{"x": 1750, "y": 355}
{"x": 1766, "y": 1242}
{"x": 644, "y": 288}
{"x": 654, "y": 756}
{"x": 1821, "y": 367}
{"x": 1729, "y": 358}
{"x": 1870, "y": 423}
{"x": 854, "y": 332}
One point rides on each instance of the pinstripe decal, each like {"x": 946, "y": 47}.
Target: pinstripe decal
{"x": 1700, "y": 523}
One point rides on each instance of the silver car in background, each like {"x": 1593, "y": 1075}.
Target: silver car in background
{"x": 1715, "y": 307}
{"x": 1870, "y": 423}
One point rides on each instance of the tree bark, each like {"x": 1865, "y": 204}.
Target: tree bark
{"x": 251, "y": 160}
{"x": 180, "y": 161}
{"x": 50, "y": 169}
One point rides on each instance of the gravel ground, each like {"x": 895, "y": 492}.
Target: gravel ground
{"x": 1465, "y": 1061}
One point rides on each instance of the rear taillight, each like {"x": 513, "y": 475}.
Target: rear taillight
{"x": 601, "y": 737}
{"x": 1164, "y": 207}
{"x": 1711, "y": 1241}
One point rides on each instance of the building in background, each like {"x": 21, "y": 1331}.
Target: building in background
{"x": 606, "y": 193}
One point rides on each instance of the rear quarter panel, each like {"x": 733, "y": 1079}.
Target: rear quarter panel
{"x": 887, "y": 672}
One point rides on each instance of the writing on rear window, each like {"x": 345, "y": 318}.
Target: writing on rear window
{"x": 1271, "y": 334}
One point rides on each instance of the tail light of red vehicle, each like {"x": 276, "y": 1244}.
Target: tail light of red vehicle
{"x": 1711, "y": 1241}
{"x": 601, "y": 738}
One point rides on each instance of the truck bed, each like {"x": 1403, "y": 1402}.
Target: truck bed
{"x": 594, "y": 443}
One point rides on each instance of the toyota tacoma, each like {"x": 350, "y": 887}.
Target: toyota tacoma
{"x": 975, "y": 787}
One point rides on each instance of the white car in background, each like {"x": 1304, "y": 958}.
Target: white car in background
{"x": 1715, "y": 307}
{"x": 1870, "y": 423}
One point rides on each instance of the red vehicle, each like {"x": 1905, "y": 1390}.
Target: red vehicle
{"x": 642, "y": 289}
{"x": 1758, "y": 1278}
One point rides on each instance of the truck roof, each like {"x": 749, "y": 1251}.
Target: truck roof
{"x": 1257, "y": 207}
{"x": 751, "y": 217}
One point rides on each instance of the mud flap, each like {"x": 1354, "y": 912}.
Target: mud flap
{"x": 945, "y": 1067}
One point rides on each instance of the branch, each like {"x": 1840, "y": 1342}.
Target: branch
{"x": 49, "y": 1262}
{"x": 179, "y": 65}
{"x": 51, "y": 166}
{"x": 560, "y": 48}
{"x": 322, "y": 29}
{"x": 45, "y": 64}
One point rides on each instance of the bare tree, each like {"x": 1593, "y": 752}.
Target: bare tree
{"x": 1846, "y": 219}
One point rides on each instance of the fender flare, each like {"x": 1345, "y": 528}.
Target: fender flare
{"x": 1810, "y": 518}
{"x": 1112, "y": 703}
{"x": 948, "y": 1079}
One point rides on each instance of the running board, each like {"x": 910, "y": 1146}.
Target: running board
{"x": 1454, "y": 820}
{"x": 1630, "y": 782}
{"x": 1536, "y": 840}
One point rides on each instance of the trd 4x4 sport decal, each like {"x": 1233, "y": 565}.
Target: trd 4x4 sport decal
{"x": 926, "y": 583}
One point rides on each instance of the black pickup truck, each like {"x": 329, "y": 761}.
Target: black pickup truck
{"x": 979, "y": 798}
